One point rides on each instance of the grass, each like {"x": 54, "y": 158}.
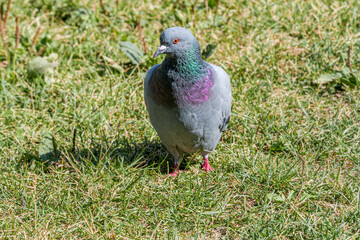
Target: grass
{"x": 287, "y": 167}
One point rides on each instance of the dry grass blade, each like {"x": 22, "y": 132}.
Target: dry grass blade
{"x": 102, "y": 7}
{"x": 35, "y": 37}
{"x": 3, "y": 37}
{"x": 7, "y": 13}
{"x": 41, "y": 51}
{"x": 142, "y": 40}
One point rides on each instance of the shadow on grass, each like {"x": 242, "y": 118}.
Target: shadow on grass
{"x": 150, "y": 154}
{"x": 120, "y": 152}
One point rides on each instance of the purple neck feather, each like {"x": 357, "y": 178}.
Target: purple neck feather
{"x": 194, "y": 92}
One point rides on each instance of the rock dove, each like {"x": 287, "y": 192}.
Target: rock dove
{"x": 188, "y": 99}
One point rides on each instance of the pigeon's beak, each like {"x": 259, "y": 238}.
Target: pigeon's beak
{"x": 161, "y": 50}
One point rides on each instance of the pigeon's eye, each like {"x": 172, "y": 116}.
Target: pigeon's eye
{"x": 176, "y": 41}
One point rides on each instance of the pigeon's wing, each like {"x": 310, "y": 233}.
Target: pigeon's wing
{"x": 214, "y": 116}
{"x": 222, "y": 91}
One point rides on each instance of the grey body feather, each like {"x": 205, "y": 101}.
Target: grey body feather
{"x": 191, "y": 128}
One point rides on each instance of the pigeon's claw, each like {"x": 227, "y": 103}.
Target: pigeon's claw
{"x": 206, "y": 166}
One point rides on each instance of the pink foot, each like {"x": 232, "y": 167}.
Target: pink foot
{"x": 175, "y": 171}
{"x": 206, "y": 166}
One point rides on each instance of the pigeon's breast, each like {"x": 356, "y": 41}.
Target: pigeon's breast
{"x": 193, "y": 92}
{"x": 161, "y": 89}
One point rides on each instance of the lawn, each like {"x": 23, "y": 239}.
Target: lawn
{"x": 80, "y": 160}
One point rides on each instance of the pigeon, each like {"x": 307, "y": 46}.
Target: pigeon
{"x": 188, "y": 99}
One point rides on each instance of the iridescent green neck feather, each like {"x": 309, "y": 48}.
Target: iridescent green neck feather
{"x": 186, "y": 65}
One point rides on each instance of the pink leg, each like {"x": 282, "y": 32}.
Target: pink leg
{"x": 175, "y": 171}
{"x": 206, "y": 165}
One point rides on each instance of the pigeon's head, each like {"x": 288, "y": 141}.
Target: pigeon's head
{"x": 177, "y": 42}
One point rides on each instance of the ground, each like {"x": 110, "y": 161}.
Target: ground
{"x": 79, "y": 158}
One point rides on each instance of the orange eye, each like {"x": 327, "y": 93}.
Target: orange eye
{"x": 176, "y": 41}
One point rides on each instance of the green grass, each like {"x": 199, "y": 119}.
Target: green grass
{"x": 287, "y": 167}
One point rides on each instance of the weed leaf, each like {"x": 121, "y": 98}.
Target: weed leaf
{"x": 327, "y": 78}
{"x": 47, "y": 148}
{"x": 131, "y": 50}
